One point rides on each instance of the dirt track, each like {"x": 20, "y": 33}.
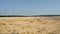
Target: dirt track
{"x": 29, "y": 25}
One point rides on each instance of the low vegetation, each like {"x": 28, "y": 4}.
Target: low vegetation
{"x": 30, "y": 25}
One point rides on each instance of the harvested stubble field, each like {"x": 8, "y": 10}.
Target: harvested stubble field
{"x": 30, "y": 25}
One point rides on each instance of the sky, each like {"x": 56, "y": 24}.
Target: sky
{"x": 29, "y": 7}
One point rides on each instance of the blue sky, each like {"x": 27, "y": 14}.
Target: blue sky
{"x": 29, "y": 7}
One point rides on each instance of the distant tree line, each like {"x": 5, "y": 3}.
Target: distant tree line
{"x": 11, "y": 15}
{"x": 45, "y": 15}
{"x": 27, "y": 16}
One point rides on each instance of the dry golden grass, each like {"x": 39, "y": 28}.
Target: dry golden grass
{"x": 29, "y": 25}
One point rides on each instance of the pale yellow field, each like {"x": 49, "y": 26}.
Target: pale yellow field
{"x": 30, "y": 25}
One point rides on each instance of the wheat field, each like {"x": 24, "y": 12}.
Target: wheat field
{"x": 30, "y": 25}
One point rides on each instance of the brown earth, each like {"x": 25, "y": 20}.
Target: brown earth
{"x": 30, "y": 25}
